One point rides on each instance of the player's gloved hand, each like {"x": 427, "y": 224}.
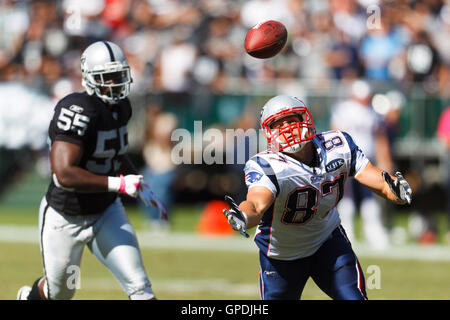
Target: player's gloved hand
{"x": 128, "y": 184}
{"x": 150, "y": 199}
{"x": 399, "y": 187}
{"x": 236, "y": 218}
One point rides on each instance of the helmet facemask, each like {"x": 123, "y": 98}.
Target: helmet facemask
{"x": 290, "y": 137}
{"x": 111, "y": 83}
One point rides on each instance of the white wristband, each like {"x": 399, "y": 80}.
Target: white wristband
{"x": 114, "y": 184}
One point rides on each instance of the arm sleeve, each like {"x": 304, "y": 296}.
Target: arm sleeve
{"x": 358, "y": 159}
{"x": 257, "y": 176}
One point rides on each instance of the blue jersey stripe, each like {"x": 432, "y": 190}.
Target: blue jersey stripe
{"x": 268, "y": 172}
{"x": 262, "y": 239}
{"x": 353, "y": 149}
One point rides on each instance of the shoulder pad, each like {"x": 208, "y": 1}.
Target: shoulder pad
{"x": 326, "y": 134}
{"x": 270, "y": 162}
{"x": 75, "y": 115}
{"x": 80, "y": 102}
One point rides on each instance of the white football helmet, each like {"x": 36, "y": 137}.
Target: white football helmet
{"x": 287, "y": 138}
{"x": 105, "y": 71}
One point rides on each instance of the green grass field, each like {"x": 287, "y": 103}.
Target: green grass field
{"x": 180, "y": 273}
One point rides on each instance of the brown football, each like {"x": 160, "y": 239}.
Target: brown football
{"x": 265, "y": 39}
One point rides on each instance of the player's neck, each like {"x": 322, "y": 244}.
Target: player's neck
{"x": 306, "y": 155}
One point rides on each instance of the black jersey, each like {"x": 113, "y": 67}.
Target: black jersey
{"x": 101, "y": 130}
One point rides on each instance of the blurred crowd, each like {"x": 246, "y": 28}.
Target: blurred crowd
{"x": 179, "y": 45}
{"x": 182, "y": 46}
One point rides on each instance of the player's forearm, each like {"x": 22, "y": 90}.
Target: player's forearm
{"x": 80, "y": 180}
{"x": 253, "y": 215}
{"x": 258, "y": 201}
{"x": 385, "y": 192}
{"x": 372, "y": 178}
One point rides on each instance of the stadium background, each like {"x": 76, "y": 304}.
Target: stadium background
{"x": 188, "y": 63}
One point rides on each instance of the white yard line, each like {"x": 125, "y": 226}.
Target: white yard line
{"x": 169, "y": 241}
{"x": 181, "y": 286}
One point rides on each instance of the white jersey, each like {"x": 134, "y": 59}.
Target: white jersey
{"x": 362, "y": 125}
{"x": 304, "y": 213}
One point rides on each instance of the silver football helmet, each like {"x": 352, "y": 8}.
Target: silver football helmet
{"x": 292, "y": 137}
{"x": 105, "y": 71}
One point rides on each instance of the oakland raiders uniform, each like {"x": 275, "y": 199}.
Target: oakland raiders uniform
{"x": 101, "y": 130}
{"x": 303, "y": 216}
{"x": 71, "y": 218}
{"x": 68, "y": 220}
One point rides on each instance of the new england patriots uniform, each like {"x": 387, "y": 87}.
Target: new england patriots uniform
{"x": 69, "y": 220}
{"x": 300, "y": 234}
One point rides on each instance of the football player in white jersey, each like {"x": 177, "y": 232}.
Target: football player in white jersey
{"x": 293, "y": 190}
{"x": 88, "y": 138}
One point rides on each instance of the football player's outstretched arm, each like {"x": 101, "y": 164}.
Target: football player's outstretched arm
{"x": 64, "y": 159}
{"x": 259, "y": 199}
{"x": 394, "y": 188}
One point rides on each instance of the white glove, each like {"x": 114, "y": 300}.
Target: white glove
{"x": 236, "y": 217}
{"x": 399, "y": 187}
{"x": 129, "y": 184}
{"x": 149, "y": 198}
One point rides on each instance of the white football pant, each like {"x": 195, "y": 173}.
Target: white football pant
{"x": 109, "y": 236}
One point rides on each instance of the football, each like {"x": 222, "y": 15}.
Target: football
{"x": 266, "y": 39}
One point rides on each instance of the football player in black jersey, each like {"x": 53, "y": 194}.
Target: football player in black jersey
{"x": 89, "y": 140}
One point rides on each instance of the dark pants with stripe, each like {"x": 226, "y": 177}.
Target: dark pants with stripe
{"x": 334, "y": 268}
